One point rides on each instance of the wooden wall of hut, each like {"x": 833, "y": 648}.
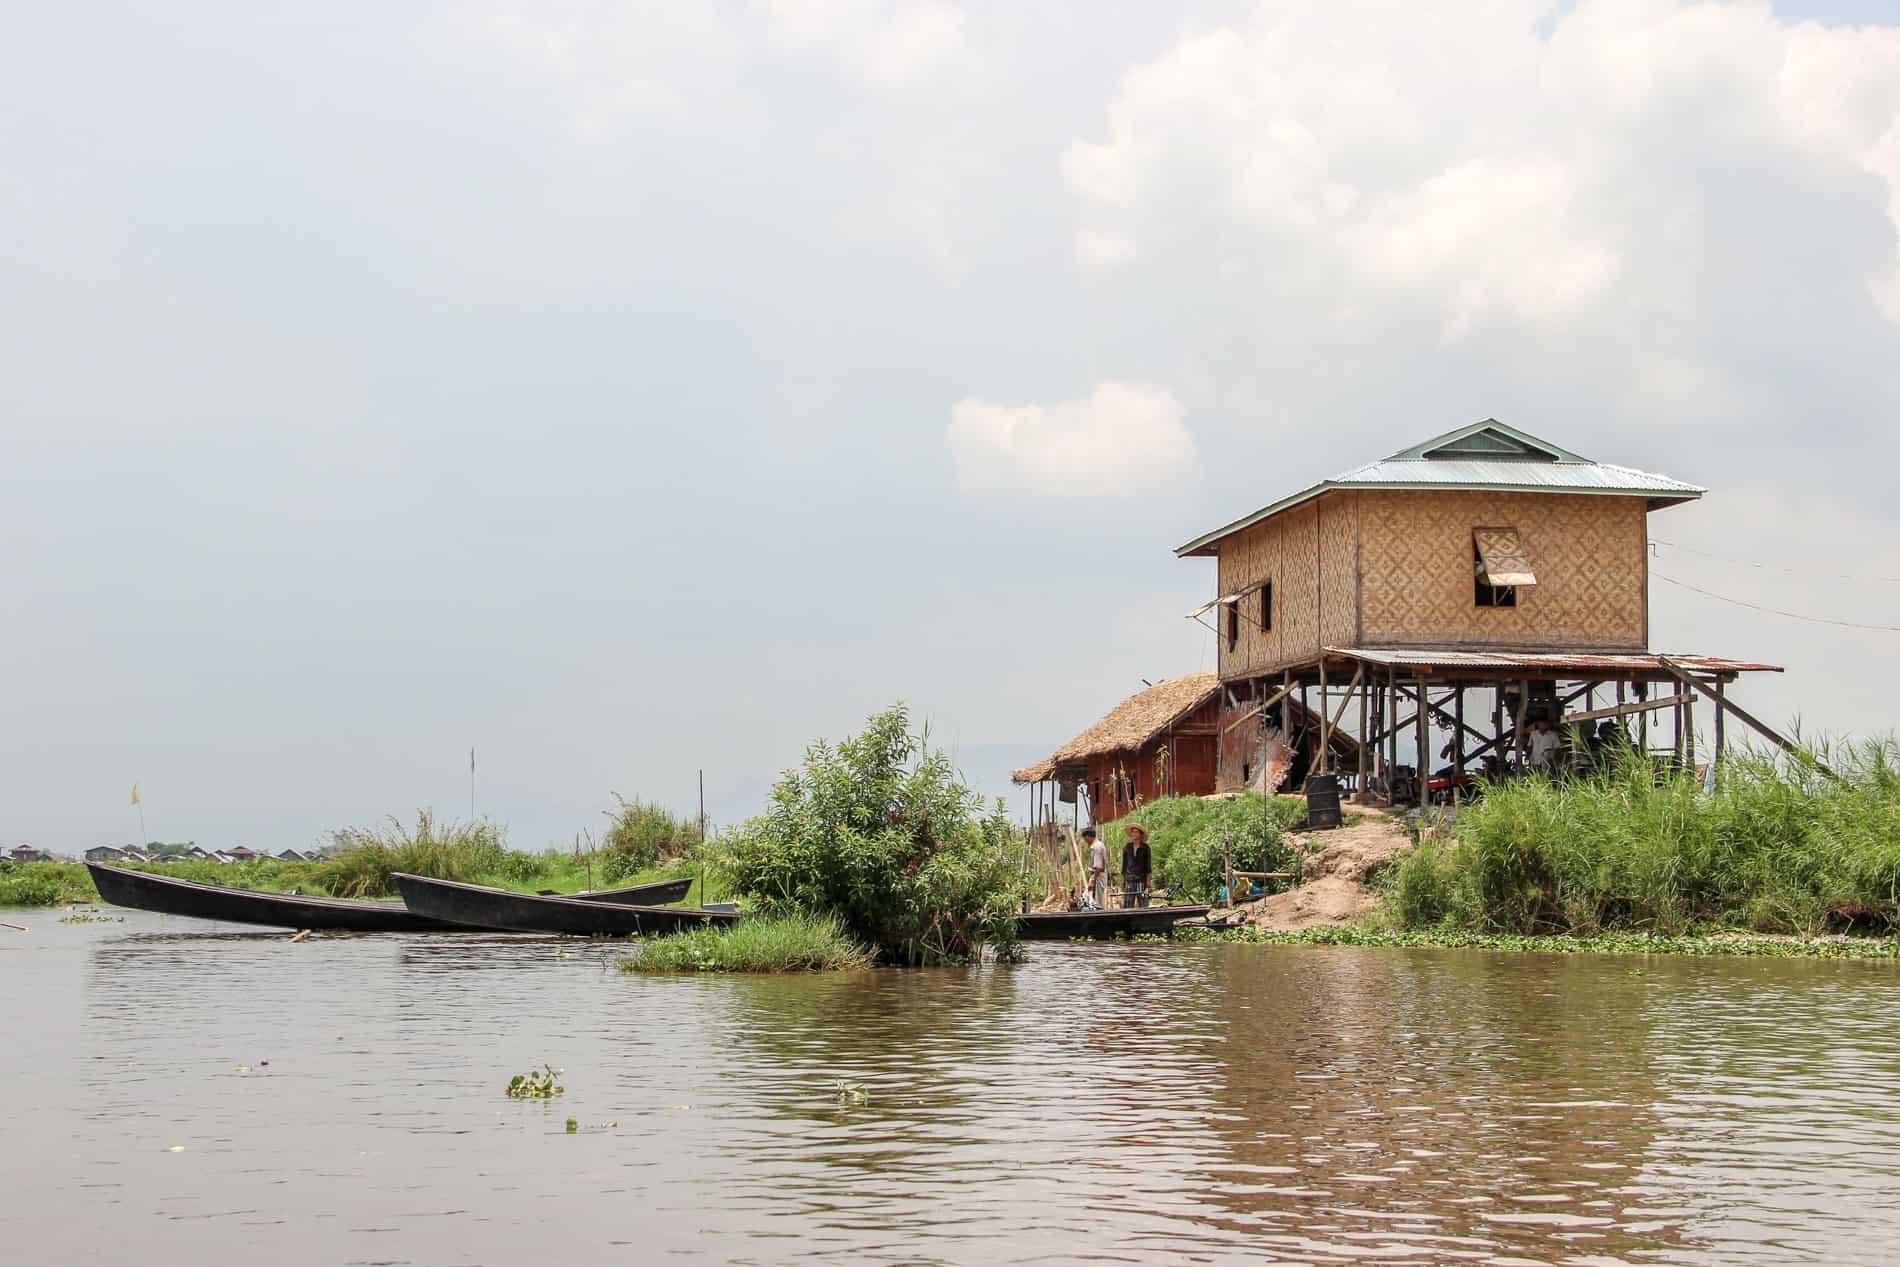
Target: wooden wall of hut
{"x": 1119, "y": 782}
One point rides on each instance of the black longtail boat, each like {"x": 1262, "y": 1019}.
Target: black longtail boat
{"x": 479, "y": 907}
{"x": 1103, "y": 925}
{"x": 144, "y": 891}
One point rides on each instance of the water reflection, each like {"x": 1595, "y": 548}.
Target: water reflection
{"x": 1106, "y": 1103}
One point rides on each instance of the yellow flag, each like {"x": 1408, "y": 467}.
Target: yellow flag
{"x": 135, "y": 794}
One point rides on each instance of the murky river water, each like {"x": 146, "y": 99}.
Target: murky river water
{"x": 1120, "y": 1104}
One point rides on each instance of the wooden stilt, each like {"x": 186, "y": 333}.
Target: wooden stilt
{"x": 1365, "y": 735}
{"x": 1458, "y": 731}
{"x": 1424, "y": 738}
{"x": 1325, "y": 728}
{"x": 1720, "y": 712}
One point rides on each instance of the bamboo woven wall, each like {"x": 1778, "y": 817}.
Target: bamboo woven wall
{"x": 1285, "y": 548}
{"x": 1587, "y": 552}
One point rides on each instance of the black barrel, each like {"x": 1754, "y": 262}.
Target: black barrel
{"x": 1322, "y": 801}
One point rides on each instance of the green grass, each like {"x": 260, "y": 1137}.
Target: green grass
{"x": 1714, "y": 943}
{"x": 1778, "y": 848}
{"x": 1188, "y": 836}
{"x": 791, "y": 943}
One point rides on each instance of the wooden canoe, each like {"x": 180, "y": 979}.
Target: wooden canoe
{"x": 524, "y": 913}
{"x": 167, "y": 895}
{"x": 1103, "y": 925}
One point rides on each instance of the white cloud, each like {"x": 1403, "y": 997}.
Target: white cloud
{"x": 1122, "y": 439}
{"x": 885, "y": 41}
{"x": 1503, "y": 165}
{"x": 1102, "y": 250}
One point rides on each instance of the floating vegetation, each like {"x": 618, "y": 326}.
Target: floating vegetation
{"x": 537, "y": 1084}
{"x": 785, "y": 943}
{"x": 1717, "y": 943}
{"x": 92, "y": 917}
{"x": 574, "y": 1127}
{"x": 851, "y": 1094}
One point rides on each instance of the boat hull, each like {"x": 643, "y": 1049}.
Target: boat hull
{"x": 168, "y": 896}
{"x": 523, "y": 913}
{"x": 1103, "y": 925}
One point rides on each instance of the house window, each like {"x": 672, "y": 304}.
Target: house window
{"x": 1500, "y": 566}
{"x": 1233, "y": 624}
{"x": 1266, "y": 606}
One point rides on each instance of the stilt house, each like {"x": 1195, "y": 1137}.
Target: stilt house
{"x": 1493, "y": 576}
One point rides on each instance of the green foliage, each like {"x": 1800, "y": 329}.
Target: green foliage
{"x": 644, "y": 836}
{"x": 536, "y": 1084}
{"x": 1187, "y": 835}
{"x": 45, "y": 884}
{"x": 1778, "y": 848}
{"x": 882, "y": 833}
{"x": 367, "y": 857}
{"x": 1724, "y": 944}
{"x": 785, "y": 943}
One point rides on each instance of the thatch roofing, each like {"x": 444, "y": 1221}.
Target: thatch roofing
{"x": 1130, "y": 724}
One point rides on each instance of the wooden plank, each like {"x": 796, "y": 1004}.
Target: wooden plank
{"x": 1624, "y": 710}
{"x": 1257, "y": 709}
{"x": 1748, "y": 719}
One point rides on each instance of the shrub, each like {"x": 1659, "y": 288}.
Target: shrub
{"x": 366, "y": 858}
{"x": 644, "y": 836}
{"x": 880, "y": 832}
{"x": 1189, "y": 836}
{"x": 1778, "y": 847}
{"x": 44, "y": 884}
{"x": 786, "y": 943}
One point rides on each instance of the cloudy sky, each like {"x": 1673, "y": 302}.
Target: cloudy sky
{"x": 625, "y": 389}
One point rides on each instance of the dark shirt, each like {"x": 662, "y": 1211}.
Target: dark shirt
{"x": 1136, "y": 863}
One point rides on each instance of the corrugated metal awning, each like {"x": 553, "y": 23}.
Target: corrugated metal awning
{"x": 1502, "y": 559}
{"x": 1545, "y": 663}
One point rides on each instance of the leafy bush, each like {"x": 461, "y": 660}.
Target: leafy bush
{"x": 787, "y": 943}
{"x": 644, "y": 836}
{"x": 1778, "y": 847}
{"x": 44, "y": 884}
{"x": 880, "y": 832}
{"x": 1188, "y": 836}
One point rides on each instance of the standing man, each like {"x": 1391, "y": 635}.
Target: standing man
{"x": 1137, "y": 868}
{"x": 1098, "y": 869}
{"x": 1545, "y": 744}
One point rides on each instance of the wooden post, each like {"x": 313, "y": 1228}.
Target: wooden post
{"x": 1325, "y": 715}
{"x": 1458, "y": 732}
{"x": 1688, "y": 734}
{"x": 1642, "y": 726}
{"x": 1286, "y": 706}
{"x": 1391, "y": 729}
{"x": 1365, "y": 694}
{"x": 1523, "y": 706}
{"x": 1721, "y": 711}
{"x": 1424, "y": 737}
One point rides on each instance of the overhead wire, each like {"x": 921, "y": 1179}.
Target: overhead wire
{"x": 1774, "y": 611}
{"x": 1773, "y": 567}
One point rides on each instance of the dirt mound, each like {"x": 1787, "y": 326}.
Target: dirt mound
{"x": 1335, "y": 869}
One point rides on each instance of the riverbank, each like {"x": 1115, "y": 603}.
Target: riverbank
{"x": 1721, "y": 944}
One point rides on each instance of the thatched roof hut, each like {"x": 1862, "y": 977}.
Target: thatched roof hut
{"x": 1129, "y": 725}
{"x": 1158, "y": 742}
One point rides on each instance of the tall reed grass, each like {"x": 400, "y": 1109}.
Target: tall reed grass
{"x": 1779, "y": 846}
